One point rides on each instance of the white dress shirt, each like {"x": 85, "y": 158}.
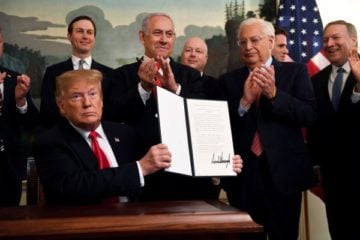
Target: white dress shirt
{"x": 87, "y": 64}
{"x": 107, "y": 149}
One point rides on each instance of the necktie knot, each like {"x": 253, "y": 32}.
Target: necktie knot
{"x": 340, "y": 70}
{"x": 81, "y": 63}
{"x": 337, "y": 87}
{"x": 93, "y": 135}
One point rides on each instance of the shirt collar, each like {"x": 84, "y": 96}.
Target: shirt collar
{"x": 267, "y": 63}
{"x": 75, "y": 60}
{"x": 85, "y": 133}
{"x": 346, "y": 67}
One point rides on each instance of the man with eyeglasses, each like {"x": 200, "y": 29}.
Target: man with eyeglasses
{"x": 133, "y": 101}
{"x": 269, "y": 103}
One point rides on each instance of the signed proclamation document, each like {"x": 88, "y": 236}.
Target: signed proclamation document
{"x": 198, "y": 134}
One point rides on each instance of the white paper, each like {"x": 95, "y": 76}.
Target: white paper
{"x": 173, "y": 130}
{"x": 210, "y": 134}
{"x": 211, "y": 138}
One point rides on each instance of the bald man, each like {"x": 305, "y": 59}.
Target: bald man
{"x": 195, "y": 55}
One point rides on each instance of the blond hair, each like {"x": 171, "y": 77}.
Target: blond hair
{"x": 65, "y": 80}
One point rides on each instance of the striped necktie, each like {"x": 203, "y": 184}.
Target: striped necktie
{"x": 256, "y": 145}
{"x": 81, "y": 63}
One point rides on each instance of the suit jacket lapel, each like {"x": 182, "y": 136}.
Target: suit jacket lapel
{"x": 68, "y": 65}
{"x": 348, "y": 88}
{"x": 94, "y": 64}
{"x": 114, "y": 140}
{"x": 9, "y": 86}
{"x": 325, "y": 82}
{"x": 279, "y": 80}
{"x": 79, "y": 145}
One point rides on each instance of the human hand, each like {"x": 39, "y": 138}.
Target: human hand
{"x": 251, "y": 91}
{"x": 21, "y": 89}
{"x": 167, "y": 77}
{"x": 158, "y": 157}
{"x": 237, "y": 163}
{"x": 265, "y": 78}
{"x": 354, "y": 62}
{"x": 147, "y": 72}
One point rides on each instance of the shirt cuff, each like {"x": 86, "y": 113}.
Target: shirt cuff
{"x": 23, "y": 109}
{"x": 355, "y": 96}
{"x": 141, "y": 176}
{"x": 243, "y": 110}
{"x": 145, "y": 95}
{"x": 178, "y": 90}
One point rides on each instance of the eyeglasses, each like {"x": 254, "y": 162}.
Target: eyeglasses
{"x": 255, "y": 40}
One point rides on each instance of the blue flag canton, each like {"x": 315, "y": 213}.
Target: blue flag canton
{"x": 301, "y": 20}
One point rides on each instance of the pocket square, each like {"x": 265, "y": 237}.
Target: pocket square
{"x": 116, "y": 139}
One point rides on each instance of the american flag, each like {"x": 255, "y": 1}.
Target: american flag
{"x": 301, "y": 19}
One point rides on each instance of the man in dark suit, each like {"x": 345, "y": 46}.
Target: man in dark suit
{"x": 195, "y": 55}
{"x": 17, "y": 113}
{"x": 333, "y": 139}
{"x": 67, "y": 166}
{"x": 133, "y": 94}
{"x": 269, "y": 103}
{"x": 280, "y": 51}
{"x": 132, "y": 101}
{"x": 81, "y": 34}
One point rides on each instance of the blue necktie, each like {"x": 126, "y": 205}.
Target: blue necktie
{"x": 336, "y": 90}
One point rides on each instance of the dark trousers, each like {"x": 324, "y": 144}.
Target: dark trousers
{"x": 342, "y": 204}
{"x": 10, "y": 187}
{"x": 278, "y": 213}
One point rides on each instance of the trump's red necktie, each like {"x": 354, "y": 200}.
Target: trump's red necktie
{"x": 99, "y": 153}
{"x": 102, "y": 160}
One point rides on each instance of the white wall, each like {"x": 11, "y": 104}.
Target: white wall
{"x": 317, "y": 224}
{"x": 347, "y": 10}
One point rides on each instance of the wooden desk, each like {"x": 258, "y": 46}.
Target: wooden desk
{"x": 153, "y": 220}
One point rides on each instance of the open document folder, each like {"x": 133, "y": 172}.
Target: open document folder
{"x": 198, "y": 134}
